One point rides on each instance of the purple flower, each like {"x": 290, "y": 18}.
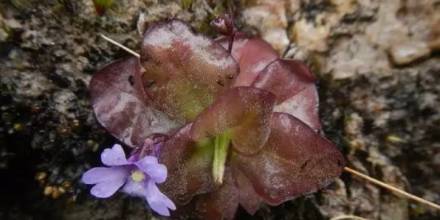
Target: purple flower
{"x": 136, "y": 177}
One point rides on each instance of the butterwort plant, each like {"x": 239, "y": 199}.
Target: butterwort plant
{"x": 227, "y": 123}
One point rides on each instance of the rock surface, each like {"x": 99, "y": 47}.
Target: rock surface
{"x": 383, "y": 115}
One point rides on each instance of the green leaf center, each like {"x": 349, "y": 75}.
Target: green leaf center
{"x": 221, "y": 146}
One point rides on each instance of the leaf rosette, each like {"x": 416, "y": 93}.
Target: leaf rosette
{"x": 241, "y": 126}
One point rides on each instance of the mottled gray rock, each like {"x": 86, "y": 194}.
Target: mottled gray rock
{"x": 384, "y": 117}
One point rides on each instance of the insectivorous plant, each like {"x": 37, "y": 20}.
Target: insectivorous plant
{"x": 222, "y": 123}
{"x": 241, "y": 127}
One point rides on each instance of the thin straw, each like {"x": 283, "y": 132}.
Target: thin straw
{"x": 392, "y": 188}
{"x": 353, "y": 217}
{"x": 120, "y": 45}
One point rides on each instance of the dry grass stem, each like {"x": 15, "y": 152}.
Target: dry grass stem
{"x": 343, "y": 217}
{"x": 392, "y": 188}
{"x": 120, "y": 45}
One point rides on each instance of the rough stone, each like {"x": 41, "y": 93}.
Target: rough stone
{"x": 384, "y": 117}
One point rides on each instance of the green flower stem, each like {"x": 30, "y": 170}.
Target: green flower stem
{"x": 221, "y": 146}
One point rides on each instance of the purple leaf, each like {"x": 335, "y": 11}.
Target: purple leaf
{"x": 243, "y": 112}
{"x": 121, "y": 106}
{"x": 252, "y": 54}
{"x": 294, "y": 85}
{"x": 284, "y": 78}
{"x": 248, "y": 198}
{"x": 304, "y": 106}
{"x": 184, "y": 71}
{"x": 294, "y": 161}
{"x": 240, "y": 40}
{"x": 189, "y": 167}
{"x": 220, "y": 204}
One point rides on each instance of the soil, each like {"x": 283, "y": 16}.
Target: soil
{"x": 379, "y": 84}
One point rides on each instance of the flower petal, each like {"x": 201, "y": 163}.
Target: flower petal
{"x": 189, "y": 167}
{"x": 184, "y": 71}
{"x": 157, "y": 201}
{"x": 252, "y": 54}
{"x": 156, "y": 171}
{"x": 294, "y": 161}
{"x": 106, "y": 189}
{"x": 135, "y": 188}
{"x": 114, "y": 156}
{"x": 121, "y": 105}
{"x": 105, "y": 174}
{"x": 146, "y": 161}
{"x": 244, "y": 112}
